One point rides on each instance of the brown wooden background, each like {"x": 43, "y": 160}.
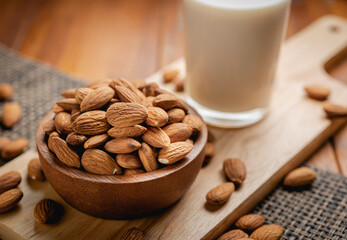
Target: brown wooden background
{"x": 94, "y": 39}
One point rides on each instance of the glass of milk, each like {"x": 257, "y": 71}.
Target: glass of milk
{"x": 232, "y": 49}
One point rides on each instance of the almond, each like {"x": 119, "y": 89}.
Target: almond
{"x": 127, "y": 95}
{"x": 300, "y": 177}
{"x": 268, "y": 232}
{"x": 126, "y": 114}
{"x": 179, "y": 84}
{"x": 99, "y": 162}
{"x": 195, "y": 122}
{"x": 131, "y": 172}
{"x": 133, "y": 234}
{"x": 6, "y": 91}
{"x": 122, "y": 145}
{"x": 10, "y": 199}
{"x": 174, "y": 152}
{"x": 9, "y": 180}
{"x": 3, "y": 142}
{"x": 148, "y": 102}
{"x": 48, "y": 211}
{"x": 157, "y": 117}
{"x": 249, "y": 222}
{"x": 64, "y": 153}
{"x": 147, "y": 157}
{"x": 210, "y": 137}
{"x": 220, "y": 194}
{"x": 75, "y": 113}
{"x": 333, "y": 110}
{"x": 235, "y": 170}
{"x": 150, "y": 88}
{"x": 11, "y": 114}
{"x": 156, "y": 137}
{"x": 178, "y": 132}
{"x": 50, "y": 140}
{"x": 129, "y": 161}
{"x": 176, "y": 115}
{"x": 14, "y": 148}
{"x": 68, "y": 104}
{"x": 165, "y": 101}
{"x": 96, "y": 141}
{"x": 75, "y": 139}
{"x": 125, "y": 83}
{"x": 91, "y": 123}
{"x": 70, "y": 93}
{"x": 34, "y": 170}
{"x": 139, "y": 83}
{"x": 170, "y": 75}
{"x": 233, "y": 235}
{"x": 81, "y": 93}
{"x": 317, "y": 92}
{"x": 49, "y": 127}
{"x": 97, "y": 99}
{"x": 57, "y": 109}
{"x": 63, "y": 123}
{"x": 210, "y": 150}
{"x": 123, "y": 132}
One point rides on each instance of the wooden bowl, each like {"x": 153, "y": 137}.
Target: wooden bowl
{"x": 121, "y": 197}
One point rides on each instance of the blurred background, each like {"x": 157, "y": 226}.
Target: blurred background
{"x": 94, "y": 39}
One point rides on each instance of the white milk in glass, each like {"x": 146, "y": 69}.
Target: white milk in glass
{"x": 232, "y": 49}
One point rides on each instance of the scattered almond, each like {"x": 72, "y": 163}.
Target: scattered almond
{"x": 122, "y": 145}
{"x": 300, "y": 177}
{"x": 179, "y": 84}
{"x": 70, "y": 93}
{"x": 124, "y": 132}
{"x": 3, "y": 142}
{"x": 14, "y": 148}
{"x": 91, "y": 123}
{"x": 170, "y": 75}
{"x": 129, "y": 161}
{"x": 270, "y": 232}
{"x": 10, "y": 199}
{"x": 333, "y": 110}
{"x": 157, "y": 117}
{"x": 97, "y": 99}
{"x": 9, "y": 180}
{"x": 6, "y": 91}
{"x": 156, "y": 137}
{"x": 96, "y": 141}
{"x": 34, "y": 170}
{"x": 317, "y": 92}
{"x": 174, "y": 152}
{"x": 11, "y": 114}
{"x": 147, "y": 157}
{"x": 99, "y": 162}
{"x": 220, "y": 194}
{"x": 235, "y": 170}
{"x": 249, "y": 222}
{"x": 48, "y": 211}
{"x": 64, "y": 153}
{"x": 210, "y": 150}
{"x": 133, "y": 234}
{"x": 75, "y": 139}
{"x": 176, "y": 115}
{"x": 235, "y": 234}
{"x": 126, "y": 114}
{"x": 178, "y": 132}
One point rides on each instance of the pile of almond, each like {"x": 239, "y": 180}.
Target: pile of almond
{"x": 121, "y": 127}
{"x": 11, "y": 111}
{"x": 10, "y": 194}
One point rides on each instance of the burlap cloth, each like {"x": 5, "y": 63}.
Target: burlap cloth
{"x": 319, "y": 212}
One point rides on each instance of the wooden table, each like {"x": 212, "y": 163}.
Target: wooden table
{"x": 97, "y": 39}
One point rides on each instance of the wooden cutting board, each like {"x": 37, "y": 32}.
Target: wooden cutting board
{"x": 295, "y": 128}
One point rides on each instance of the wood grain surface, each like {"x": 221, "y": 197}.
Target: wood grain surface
{"x": 104, "y": 38}
{"x": 282, "y": 141}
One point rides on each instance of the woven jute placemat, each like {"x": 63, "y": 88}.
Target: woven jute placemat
{"x": 318, "y": 212}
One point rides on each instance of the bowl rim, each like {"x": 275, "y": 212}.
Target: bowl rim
{"x": 51, "y": 159}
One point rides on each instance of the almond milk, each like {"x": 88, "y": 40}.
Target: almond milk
{"x": 232, "y": 48}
